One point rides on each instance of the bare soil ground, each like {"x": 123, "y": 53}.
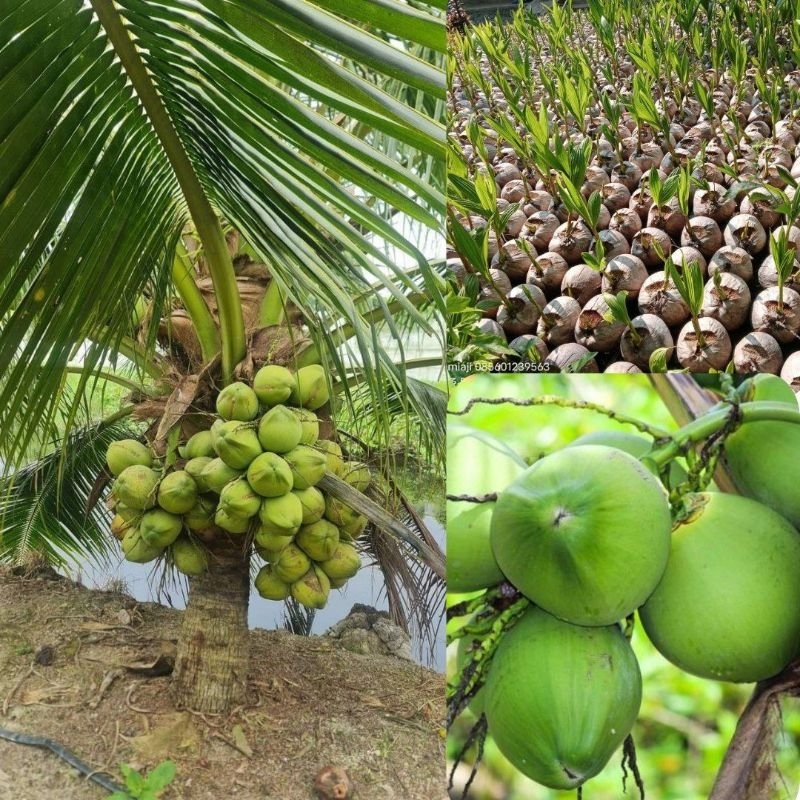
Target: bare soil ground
{"x": 312, "y": 704}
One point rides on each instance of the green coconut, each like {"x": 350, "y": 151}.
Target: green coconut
{"x": 313, "y": 503}
{"x": 273, "y": 384}
{"x": 282, "y": 515}
{"x": 269, "y": 585}
{"x": 126, "y": 512}
{"x": 120, "y": 526}
{"x": 237, "y": 401}
{"x": 344, "y": 562}
{"x": 339, "y": 513}
{"x": 200, "y": 516}
{"x": 137, "y": 550}
{"x": 177, "y": 492}
{"x": 318, "y": 540}
{"x": 291, "y": 564}
{"x": 333, "y": 453}
{"x": 195, "y": 467}
{"x": 238, "y": 499}
{"x": 188, "y": 557}
{"x": 214, "y": 430}
{"x": 471, "y": 565}
{"x": 270, "y": 475}
{"x": 231, "y": 522}
{"x": 279, "y": 430}
{"x": 636, "y": 444}
{"x": 354, "y": 528}
{"x": 584, "y": 533}
{"x": 312, "y": 387}
{"x": 312, "y": 589}
{"x": 137, "y": 487}
{"x": 762, "y": 456}
{"x": 728, "y": 605}
{"x": 159, "y": 528}
{"x": 201, "y": 444}
{"x": 337, "y": 583}
{"x": 271, "y": 543}
{"x": 217, "y": 474}
{"x": 237, "y": 444}
{"x": 356, "y": 474}
{"x": 307, "y": 465}
{"x": 560, "y": 698}
{"x": 126, "y": 453}
{"x": 309, "y": 424}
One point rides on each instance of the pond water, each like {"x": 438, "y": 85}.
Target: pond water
{"x": 366, "y": 587}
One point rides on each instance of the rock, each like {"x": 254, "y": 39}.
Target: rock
{"x": 369, "y": 631}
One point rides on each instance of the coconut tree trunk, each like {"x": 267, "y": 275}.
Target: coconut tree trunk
{"x": 213, "y": 651}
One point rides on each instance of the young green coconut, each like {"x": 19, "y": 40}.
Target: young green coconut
{"x": 559, "y": 699}
{"x": 696, "y": 621}
{"x": 584, "y": 533}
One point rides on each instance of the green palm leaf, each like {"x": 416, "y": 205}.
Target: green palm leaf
{"x": 50, "y": 504}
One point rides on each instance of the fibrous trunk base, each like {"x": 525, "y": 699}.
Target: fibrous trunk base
{"x": 213, "y": 651}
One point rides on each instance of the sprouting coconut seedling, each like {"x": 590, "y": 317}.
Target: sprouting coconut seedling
{"x": 689, "y": 283}
{"x": 471, "y": 245}
{"x": 643, "y": 109}
{"x": 613, "y": 113}
{"x": 784, "y": 258}
{"x": 574, "y": 92}
{"x": 703, "y": 343}
{"x": 618, "y": 312}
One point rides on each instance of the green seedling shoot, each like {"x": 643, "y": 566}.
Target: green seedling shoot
{"x": 145, "y": 787}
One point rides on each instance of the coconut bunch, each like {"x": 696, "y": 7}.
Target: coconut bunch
{"x": 252, "y": 473}
{"x": 544, "y": 286}
{"x": 586, "y": 538}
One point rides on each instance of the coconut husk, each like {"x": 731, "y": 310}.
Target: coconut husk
{"x": 177, "y": 334}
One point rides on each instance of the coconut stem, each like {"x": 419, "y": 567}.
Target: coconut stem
{"x": 184, "y": 281}
{"x": 715, "y": 419}
{"x": 701, "y": 339}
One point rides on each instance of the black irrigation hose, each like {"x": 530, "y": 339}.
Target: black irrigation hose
{"x": 63, "y": 753}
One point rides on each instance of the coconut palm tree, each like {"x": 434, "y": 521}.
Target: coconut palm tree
{"x": 193, "y": 188}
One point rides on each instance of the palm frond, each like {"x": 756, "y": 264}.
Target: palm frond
{"x": 415, "y": 594}
{"x": 48, "y": 506}
{"x": 297, "y": 619}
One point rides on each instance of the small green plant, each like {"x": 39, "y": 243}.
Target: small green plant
{"x": 145, "y": 787}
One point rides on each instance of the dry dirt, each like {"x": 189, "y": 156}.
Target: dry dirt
{"x": 312, "y": 704}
